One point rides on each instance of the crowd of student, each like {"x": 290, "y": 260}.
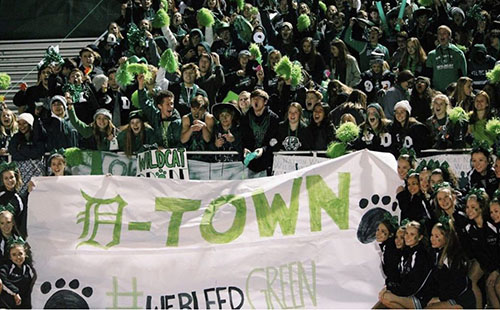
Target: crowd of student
{"x": 445, "y": 251}
{"x": 269, "y": 75}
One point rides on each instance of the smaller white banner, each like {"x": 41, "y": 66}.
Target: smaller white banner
{"x": 163, "y": 164}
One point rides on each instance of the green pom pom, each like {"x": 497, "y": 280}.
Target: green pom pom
{"x": 457, "y": 114}
{"x": 135, "y": 69}
{"x": 123, "y": 76}
{"x": 493, "y": 127}
{"x": 169, "y": 61}
{"x": 165, "y": 4}
{"x": 336, "y": 149}
{"x": 205, "y": 17}
{"x": 347, "y": 132}
{"x": 284, "y": 67}
{"x": 135, "y": 99}
{"x": 74, "y": 156}
{"x": 322, "y": 6}
{"x": 296, "y": 73}
{"x": 255, "y": 51}
{"x": 426, "y": 2}
{"x": 161, "y": 19}
{"x": 494, "y": 75}
{"x": 4, "y": 81}
{"x": 303, "y": 22}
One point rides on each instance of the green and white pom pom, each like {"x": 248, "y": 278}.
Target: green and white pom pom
{"x": 161, "y": 19}
{"x": 303, "y": 22}
{"x": 426, "y": 3}
{"x": 457, "y": 114}
{"x": 347, "y": 132}
{"x": 494, "y": 75}
{"x": 336, "y": 149}
{"x": 322, "y": 6}
{"x": 136, "y": 69}
{"x": 205, "y": 17}
{"x": 123, "y": 76}
{"x": 493, "y": 127}
{"x": 4, "y": 81}
{"x": 296, "y": 73}
{"x": 284, "y": 67}
{"x": 74, "y": 156}
{"x": 255, "y": 51}
{"x": 169, "y": 61}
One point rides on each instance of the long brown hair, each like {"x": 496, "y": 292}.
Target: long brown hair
{"x": 96, "y": 132}
{"x": 421, "y": 55}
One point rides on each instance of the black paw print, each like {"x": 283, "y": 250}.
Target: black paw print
{"x": 370, "y": 220}
{"x": 64, "y": 298}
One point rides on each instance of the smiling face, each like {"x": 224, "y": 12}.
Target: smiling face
{"x": 293, "y": 115}
{"x": 400, "y": 115}
{"x": 382, "y": 233}
{"x": 18, "y": 255}
{"x": 495, "y": 212}
{"x": 318, "y": 114}
{"x": 480, "y": 103}
{"x": 9, "y": 180}
{"x": 473, "y": 209}
{"x": 136, "y": 125}
{"x": 438, "y": 239}
{"x": 102, "y": 121}
{"x": 24, "y": 127}
{"x": 411, "y": 47}
{"x": 403, "y": 167}
{"x": 7, "y": 118}
{"x": 412, "y": 236}
{"x": 58, "y": 108}
{"x": 6, "y": 223}
{"x": 244, "y": 101}
{"x": 445, "y": 200}
{"x": 166, "y": 107}
{"x": 479, "y": 162}
{"x": 413, "y": 185}
{"x": 76, "y": 77}
{"x": 57, "y": 166}
{"x": 188, "y": 76}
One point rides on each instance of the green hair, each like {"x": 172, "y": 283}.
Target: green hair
{"x": 168, "y": 61}
{"x": 457, "y": 114}
{"x": 161, "y": 19}
{"x": 123, "y": 76}
{"x": 74, "y": 156}
{"x": 493, "y": 127}
{"x": 4, "y": 81}
{"x": 303, "y": 22}
{"x": 255, "y": 51}
{"x": 284, "y": 67}
{"x": 494, "y": 75}
{"x": 205, "y": 17}
{"x": 426, "y": 3}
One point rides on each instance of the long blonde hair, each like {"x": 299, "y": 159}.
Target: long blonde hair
{"x": 13, "y": 127}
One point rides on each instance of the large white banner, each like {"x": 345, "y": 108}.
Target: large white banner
{"x": 302, "y": 239}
